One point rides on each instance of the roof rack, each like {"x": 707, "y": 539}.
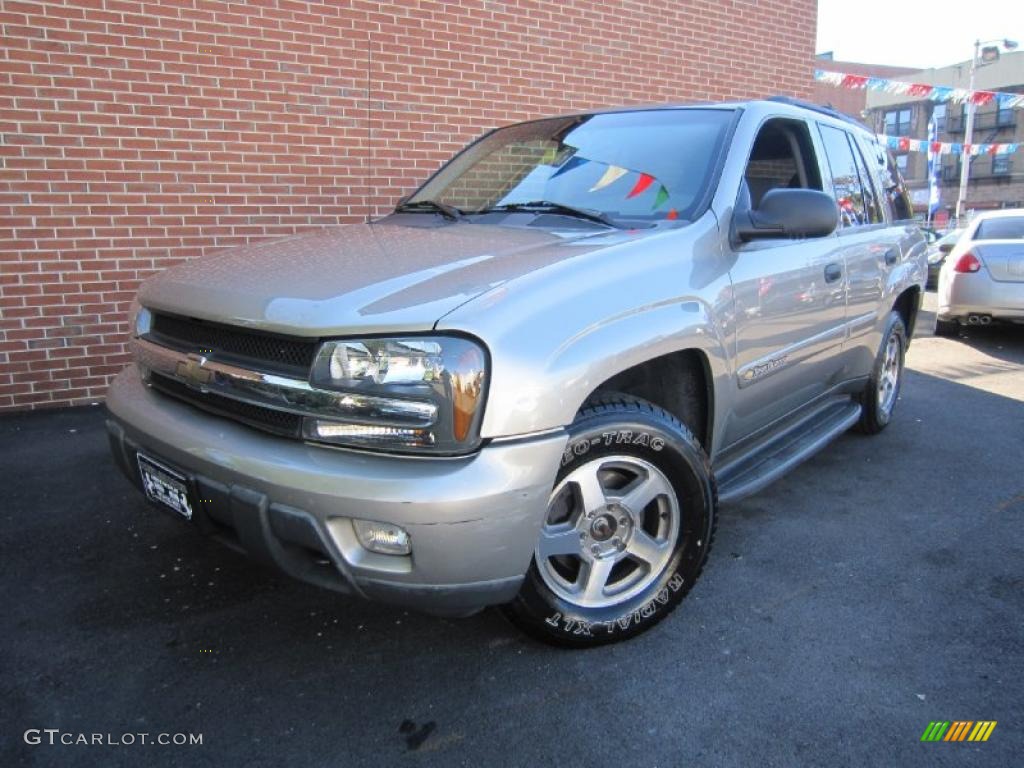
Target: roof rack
{"x": 821, "y": 109}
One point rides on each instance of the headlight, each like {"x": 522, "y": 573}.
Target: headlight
{"x": 420, "y": 394}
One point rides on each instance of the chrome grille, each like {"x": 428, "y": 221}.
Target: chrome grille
{"x": 268, "y": 419}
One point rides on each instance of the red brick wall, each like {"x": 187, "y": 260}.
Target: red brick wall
{"x": 136, "y": 135}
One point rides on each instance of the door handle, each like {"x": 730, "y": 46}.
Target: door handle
{"x": 892, "y": 256}
{"x": 833, "y": 272}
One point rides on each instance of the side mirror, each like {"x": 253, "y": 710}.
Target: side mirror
{"x": 946, "y": 247}
{"x": 789, "y": 213}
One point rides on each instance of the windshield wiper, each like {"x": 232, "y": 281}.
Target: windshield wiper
{"x": 546, "y": 206}
{"x": 448, "y": 211}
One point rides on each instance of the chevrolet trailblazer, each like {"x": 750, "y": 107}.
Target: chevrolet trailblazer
{"x": 532, "y": 384}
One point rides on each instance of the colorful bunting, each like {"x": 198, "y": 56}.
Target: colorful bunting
{"x": 614, "y": 173}
{"x": 573, "y": 162}
{"x": 661, "y": 198}
{"x": 642, "y": 183}
{"x": 905, "y": 144}
{"x": 938, "y": 93}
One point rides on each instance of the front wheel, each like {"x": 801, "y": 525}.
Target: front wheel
{"x": 628, "y": 527}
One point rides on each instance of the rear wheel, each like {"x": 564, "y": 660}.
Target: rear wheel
{"x": 628, "y": 527}
{"x": 878, "y": 401}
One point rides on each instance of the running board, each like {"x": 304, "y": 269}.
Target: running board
{"x": 767, "y": 462}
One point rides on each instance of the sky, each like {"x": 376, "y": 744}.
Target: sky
{"x": 912, "y": 33}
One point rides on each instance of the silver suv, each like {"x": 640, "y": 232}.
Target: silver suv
{"x": 533, "y": 383}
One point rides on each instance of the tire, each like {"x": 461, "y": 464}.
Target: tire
{"x": 629, "y": 526}
{"x": 947, "y": 328}
{"x": 878, "y": 400}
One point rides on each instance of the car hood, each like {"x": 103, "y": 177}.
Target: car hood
{"x": 399, "y": 274}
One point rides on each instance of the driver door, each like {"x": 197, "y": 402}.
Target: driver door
{"x": 789, "y": 295}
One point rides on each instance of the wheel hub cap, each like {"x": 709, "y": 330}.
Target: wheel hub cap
{"x": 603, "y": 527}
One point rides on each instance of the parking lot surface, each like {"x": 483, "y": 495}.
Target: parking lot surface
{"x": 875, "y": 589}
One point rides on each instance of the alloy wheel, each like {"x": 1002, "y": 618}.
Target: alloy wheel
{"x": 610, "y": 530}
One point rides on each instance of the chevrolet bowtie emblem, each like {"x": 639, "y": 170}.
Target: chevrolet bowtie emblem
{"x": 193, "y": 371}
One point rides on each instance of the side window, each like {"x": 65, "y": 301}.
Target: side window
{"x": 872, "y": 208}
{"x": 897, "y": 122}
{"x": 845, "y": 178}
{"x": 889, "y": 172}
{"x": 782, "y": 158}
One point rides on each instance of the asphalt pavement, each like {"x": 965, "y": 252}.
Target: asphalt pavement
{"x": 875, "y": 589}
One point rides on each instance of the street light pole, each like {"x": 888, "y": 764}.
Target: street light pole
{"x": 965, "y": 156}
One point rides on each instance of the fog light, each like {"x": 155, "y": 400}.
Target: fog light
{"x": 384, "y": 538}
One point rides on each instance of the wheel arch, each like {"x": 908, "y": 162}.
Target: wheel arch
{"x": 908, "y": 305}
{"x": 680, "y": 382}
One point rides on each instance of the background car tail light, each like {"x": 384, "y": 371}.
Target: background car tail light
{"x": 967, "y": 263}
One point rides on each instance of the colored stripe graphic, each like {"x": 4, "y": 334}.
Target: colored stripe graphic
{"x": 958, "y": 730}
{"x": 982, "y": 730}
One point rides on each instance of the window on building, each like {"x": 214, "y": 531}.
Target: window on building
{"x": 939, "y": 117}
{"x": 951, "y": 169}
{"x": 1000, "y": 165}
{"x": 846, "y": 183}
{"x": 901, "y": 163}
{"x": 1004, "y": 115}
{"x": 897, "y": 122}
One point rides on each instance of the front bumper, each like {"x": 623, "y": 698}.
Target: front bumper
{"x": 961, "y": 295}
{"x": 473, "y": 521}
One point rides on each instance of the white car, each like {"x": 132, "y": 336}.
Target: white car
{"x": 982, "y": 279}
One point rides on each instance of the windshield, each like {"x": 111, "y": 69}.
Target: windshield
{"x": 641, "y": 166}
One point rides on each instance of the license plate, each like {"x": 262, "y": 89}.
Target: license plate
{"x": 165, "y": 486}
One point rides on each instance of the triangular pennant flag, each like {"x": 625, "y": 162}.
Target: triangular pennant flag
{"x": 642, "y": 183}
{"x": 613, "y": 173}
{"x": 573, "y": 162}
{"x": 672, "y": 214}
{"x": 660, "y": 199}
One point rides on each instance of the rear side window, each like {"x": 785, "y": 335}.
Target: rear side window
{"x": 895, "y": 197}
{"x": 872, "y": 208}
{"x": 846, "y": 183}
{"x": 1010, "y": 228}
